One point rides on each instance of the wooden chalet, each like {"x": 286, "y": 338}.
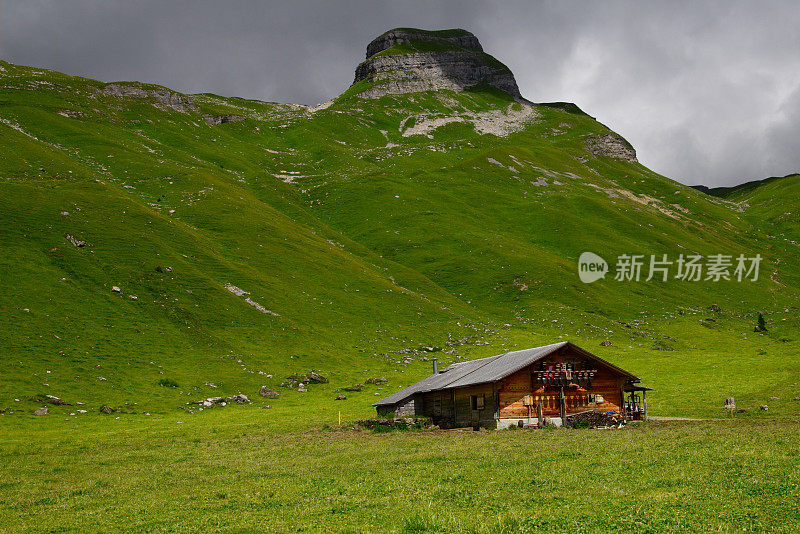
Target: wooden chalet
{"x": 520, "y": 388}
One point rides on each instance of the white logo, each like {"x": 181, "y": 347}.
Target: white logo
{"x": 690, "y": 268}
{"x": 591, "y": 267}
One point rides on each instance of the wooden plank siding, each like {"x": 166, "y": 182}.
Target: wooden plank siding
{"x": 515, "y": 388}
{"x": 453, "y": 408}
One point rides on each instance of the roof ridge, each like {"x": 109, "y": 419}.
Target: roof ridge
{"x": 489, "y": 359}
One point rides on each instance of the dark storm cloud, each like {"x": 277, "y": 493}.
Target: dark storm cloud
{"x": 707, "y": 92}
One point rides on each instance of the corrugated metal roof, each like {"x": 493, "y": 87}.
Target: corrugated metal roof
{"x": 473, "y": 372}
{"x": 486, "y": 370}
{"x": 441, "y": 380}
{"x": 505, "y": 364}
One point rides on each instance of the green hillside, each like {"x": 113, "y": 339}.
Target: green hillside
{"x": 769, "y": 204}
{"x": 158, "y": 249}
{"x": 365, "y": 233}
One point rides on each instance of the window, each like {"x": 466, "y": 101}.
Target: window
{"x": 476, "y": 401}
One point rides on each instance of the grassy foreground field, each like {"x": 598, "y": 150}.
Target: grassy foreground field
{"x": 225, "y": 472}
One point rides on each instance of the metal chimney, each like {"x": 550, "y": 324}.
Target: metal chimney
{"x": 435, "y": 366}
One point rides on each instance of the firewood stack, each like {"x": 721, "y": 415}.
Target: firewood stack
{"x": 595, "y": 420}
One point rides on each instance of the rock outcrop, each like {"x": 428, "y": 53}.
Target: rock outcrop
{"x": 221, "y": 119}
{"x": 164, "y": 98}
{"x": 610, "y": 145}
{"x": 407, "y": 60}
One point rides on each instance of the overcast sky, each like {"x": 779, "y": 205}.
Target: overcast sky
{"x": 707, "y": 92}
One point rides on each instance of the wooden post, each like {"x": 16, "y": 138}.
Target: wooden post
{"x": 562, "y": 407}
{"x": 540, "y": 415}
{"x": 644, "y": 405}
{"x": 340, "y": 418}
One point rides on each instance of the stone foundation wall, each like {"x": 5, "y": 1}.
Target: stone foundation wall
{"x": 405, "y": 408}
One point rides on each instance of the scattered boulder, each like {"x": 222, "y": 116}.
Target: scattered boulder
{"x": 715, "y": 308}
{"x": 41, "y": 411}
{"x": 211, "y": 384}
{"x": 376, "y": 381}
{"x": 52, "y": 399}
{"x": 340, "y": 397}
{"x": 239, "y": 292}
{"x": 763, "y": 407}
{"x": 75, "y": 241}
{"x": 796, "y": 398}
{"x": 317, "y": 378}
{"x": 268, "y": 393}
{"x": 302, "y": 388}
{"x": 605, "y": 343}
{"x": 116, "y": 289}
{"x": 295, "y": 380}
{"x": 106, "y": 409}
{"x": 240, "y": 399}
{"x": 211, "y": 402}
{"x": 354, "y": 387}
{"x": 773, "y": 398}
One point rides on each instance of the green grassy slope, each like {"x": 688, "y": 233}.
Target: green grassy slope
{"x": 770, "y": 205}
{"x": 742, "y": 190}
{"x": 361, "y": 237}
{"x": 236, "y": 474}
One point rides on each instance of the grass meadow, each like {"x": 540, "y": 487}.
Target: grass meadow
{"x": 235, "y": 471}
{"x": 366, "y": 250}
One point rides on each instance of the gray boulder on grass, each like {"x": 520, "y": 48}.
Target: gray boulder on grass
{"x": 268, "y": 393}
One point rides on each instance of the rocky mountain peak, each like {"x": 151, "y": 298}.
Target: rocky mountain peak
{"x": 397, "y": 36}
{"x": 409, "y": 60}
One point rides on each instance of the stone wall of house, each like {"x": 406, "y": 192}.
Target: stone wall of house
{"x": 404, "y": 408}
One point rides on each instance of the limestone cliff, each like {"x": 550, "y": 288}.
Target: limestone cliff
{"x": 406, "y": 60}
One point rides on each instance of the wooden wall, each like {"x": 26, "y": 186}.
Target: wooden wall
{"x": 453, "y": 408}
{"x": 514, "y": 389}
